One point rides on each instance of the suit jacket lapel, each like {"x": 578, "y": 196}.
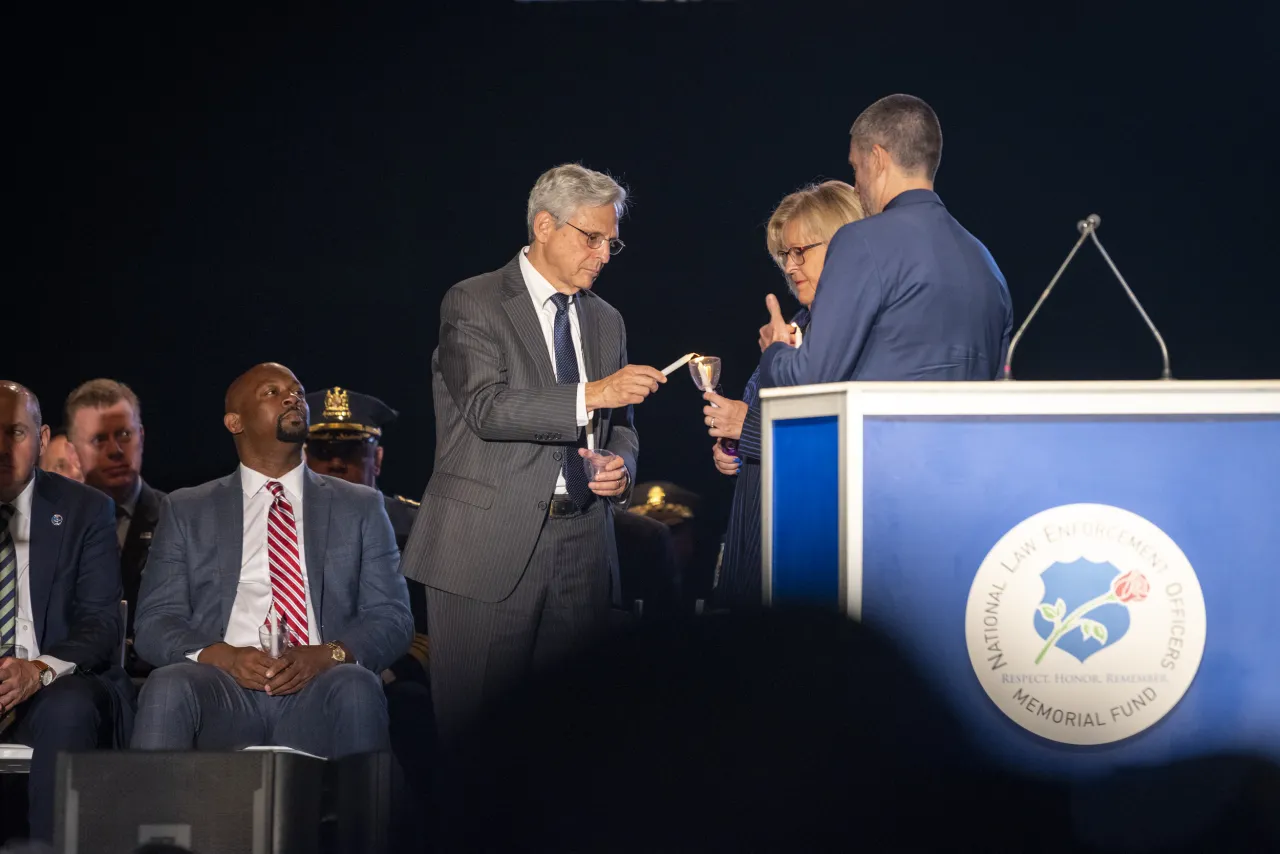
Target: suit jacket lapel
{"x": 316, "y": 499}
{"x": 519, "y": 308}
{"x": 592, "y": 346}
{"x": 145, "y": 516}
{"x": 138, "y": 539}
{"x": 229, "y": 513}
{"x": 46, "y": 547}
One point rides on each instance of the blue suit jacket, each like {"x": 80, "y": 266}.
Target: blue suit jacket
{"x": 905, "y": 295}
{"x": 357, "y": 592}
{"x": 75, "y": 585}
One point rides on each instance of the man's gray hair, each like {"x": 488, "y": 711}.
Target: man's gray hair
{"x": 562, "y": 191}
{"x": 904, "y": 126}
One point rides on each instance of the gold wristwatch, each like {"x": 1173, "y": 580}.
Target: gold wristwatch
{"x": 339, "y": 654}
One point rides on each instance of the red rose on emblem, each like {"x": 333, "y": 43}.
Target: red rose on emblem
{"x": 1131, "y": 587}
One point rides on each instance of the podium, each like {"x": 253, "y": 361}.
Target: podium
{"x": 1088, "y": 571}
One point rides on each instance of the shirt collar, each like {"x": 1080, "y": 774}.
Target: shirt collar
{"x": 22, "y": 504}
{"x": 253, "y": 482}
{"x": 539, "y": 288}
{"x": 131, "y": 503}
{"x": 913, "y": 197}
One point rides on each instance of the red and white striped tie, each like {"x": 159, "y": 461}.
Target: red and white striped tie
{"x": 288, "y": 591}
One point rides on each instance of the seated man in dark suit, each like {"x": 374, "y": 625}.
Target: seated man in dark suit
{"x": 273, "y": 542}
{"x": 104, "y": 425}
{"x": 907, "y": 293}
{"x": 59, "y": 602}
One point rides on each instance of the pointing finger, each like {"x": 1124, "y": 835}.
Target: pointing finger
{"x": 775, "y": 311}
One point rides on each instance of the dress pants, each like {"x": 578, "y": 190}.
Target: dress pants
{"x": 191, "y": 705}
{"x": 481, "y": 650}
{"x": 71, "y": 714}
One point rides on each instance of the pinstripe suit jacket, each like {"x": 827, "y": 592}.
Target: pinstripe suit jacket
{"x": 503, "y": 426}
{"x": 740, "y": 569}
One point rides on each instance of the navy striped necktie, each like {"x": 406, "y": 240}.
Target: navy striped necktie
{"x": 8, "y": 582}
{"x": 575, "y": 477}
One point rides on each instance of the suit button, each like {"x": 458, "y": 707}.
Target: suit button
{"x": 559, "y": 455}
{"x": 542, "y": 505}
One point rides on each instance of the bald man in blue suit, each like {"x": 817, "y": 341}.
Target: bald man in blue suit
{"x": 907, "y": 293}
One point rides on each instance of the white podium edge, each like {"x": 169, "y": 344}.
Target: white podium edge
{"x": 852, "y": 402}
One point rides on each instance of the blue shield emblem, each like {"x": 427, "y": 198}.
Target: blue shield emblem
{"x": 1067, "y": 588}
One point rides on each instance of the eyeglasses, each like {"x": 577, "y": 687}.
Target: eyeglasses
{"x": 595, "y": 240}
{"x": 796, "y": 253}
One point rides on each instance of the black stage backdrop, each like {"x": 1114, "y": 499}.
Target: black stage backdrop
{"x": 197, "y": 195}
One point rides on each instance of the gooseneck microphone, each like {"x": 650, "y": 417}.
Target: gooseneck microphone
{"x": 1166, "y": 372}
{"x": 1088, "y": 228}
{"x": 1085, "y": 226}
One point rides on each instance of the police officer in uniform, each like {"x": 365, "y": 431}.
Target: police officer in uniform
{"x": 345, "y": 441}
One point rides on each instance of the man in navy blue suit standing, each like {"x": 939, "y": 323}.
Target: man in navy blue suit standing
{"x": 60, "y": 604}
{"x": 907, "y": 293}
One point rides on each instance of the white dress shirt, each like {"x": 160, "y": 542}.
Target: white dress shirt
{"x": 541, "y": 291}
{"x": 24, "y": 628}
{"x": 252, "y": 604}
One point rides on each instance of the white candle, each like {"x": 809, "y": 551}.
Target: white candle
{"x": 704, "y": 368}
{"x": 683, "y": 360}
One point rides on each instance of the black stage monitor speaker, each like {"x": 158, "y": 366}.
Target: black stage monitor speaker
{"x": 251, "y": 802}
{"x": 371, "y": 814}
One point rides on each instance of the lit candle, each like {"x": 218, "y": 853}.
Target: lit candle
{"x": 704, "y": 368}
{"x": 683, "y": 360}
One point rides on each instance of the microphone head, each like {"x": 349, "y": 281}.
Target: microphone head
{"x": 1089, "y": 223}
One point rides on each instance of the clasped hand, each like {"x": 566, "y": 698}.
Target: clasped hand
{"x": 725, "y": 463}
{"x": 254, "y": 669}
{"x": 18, "y": 681}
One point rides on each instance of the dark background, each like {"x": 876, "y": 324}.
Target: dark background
{"x": 195, "y": 195}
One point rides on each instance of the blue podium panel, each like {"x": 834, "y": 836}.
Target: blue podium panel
{"x": 940, "y": 493}
{"x": 1086, "y": 571}
{"x": 807, "y": 512}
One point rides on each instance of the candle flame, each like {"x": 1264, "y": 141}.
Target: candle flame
{"x": 704, "y": 368}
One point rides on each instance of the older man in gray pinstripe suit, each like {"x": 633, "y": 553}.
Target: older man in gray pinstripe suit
{"x": 514, "y": 542}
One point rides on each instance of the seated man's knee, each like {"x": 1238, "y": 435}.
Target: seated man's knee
{"x": 68, "y": 703}
{"x": 352, "y": 686}
{"x": 170, "y": 685}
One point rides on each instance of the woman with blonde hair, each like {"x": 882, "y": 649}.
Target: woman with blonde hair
{"x": 797, "y": 237}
